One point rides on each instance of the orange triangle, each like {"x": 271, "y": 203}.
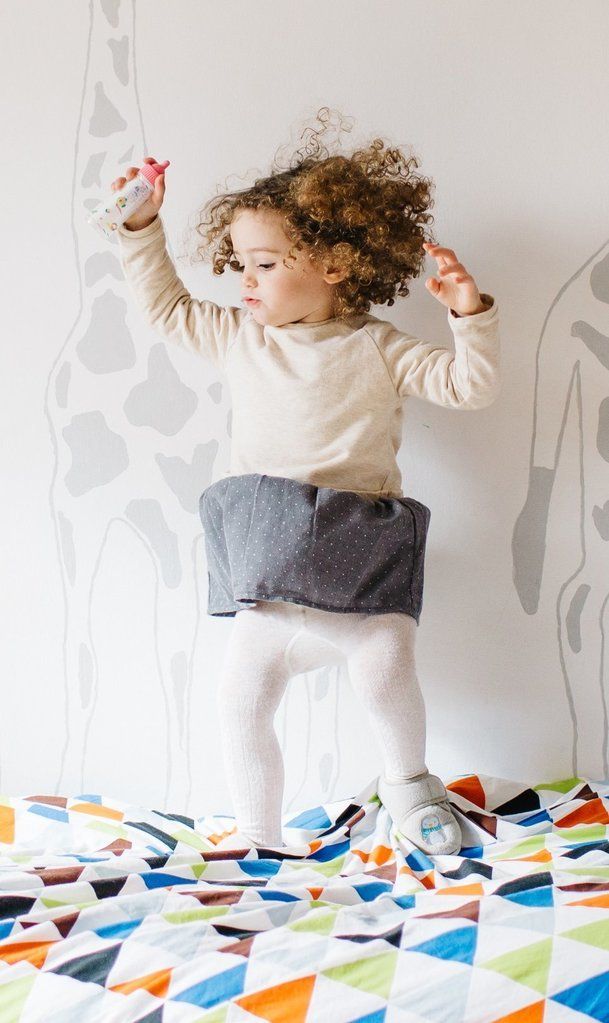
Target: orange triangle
{"x": 380, "y": 854}
{"x": 155, "y": 983}
{"x": 34, "y": 952}
{"x": 530, "y": 1014}
{"x": 539, "y": 857}
{"x": 594, "y": 900}
{"x": 590, "y": 812}
{"x": 470, "y": 788}
{"x": 97, "y": 810}
{"x": 7, "y": 824}
{"x": 282, "y": 1001}
{"x": 316, "y": 892}
{"x": 462, "y": 889}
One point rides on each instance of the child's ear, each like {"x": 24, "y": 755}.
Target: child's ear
{"x": 334, "y": 276}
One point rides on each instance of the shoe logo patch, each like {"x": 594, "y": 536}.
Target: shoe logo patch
{"x": 432, "y": 830}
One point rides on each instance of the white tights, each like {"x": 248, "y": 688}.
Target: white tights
{"x": 275, "y": 640}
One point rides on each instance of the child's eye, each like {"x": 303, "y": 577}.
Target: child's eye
{"x": 265, "y": 266}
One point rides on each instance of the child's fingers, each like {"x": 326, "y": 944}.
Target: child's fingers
{"x": 119, "y": 182}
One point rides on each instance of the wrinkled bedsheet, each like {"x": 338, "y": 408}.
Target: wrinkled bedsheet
{"x": 114, "y": 912}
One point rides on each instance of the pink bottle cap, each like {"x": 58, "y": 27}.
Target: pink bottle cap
{"x": 151, "y": 171}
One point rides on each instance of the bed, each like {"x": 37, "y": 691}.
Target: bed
{"x": 115, "y": 912}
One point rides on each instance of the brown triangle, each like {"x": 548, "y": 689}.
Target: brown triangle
{"x": 239, "y": 948}
{"x": 58, "y": 875}
{"x": 118, "y": 846}
{"x": 486, "y": 823}
{"x": 470, "y": 911}
{"x": 388, "y": 872}
{"x": 47, "y": 800}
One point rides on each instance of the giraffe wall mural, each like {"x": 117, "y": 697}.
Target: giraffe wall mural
{"x": 572, "y": 370}
{"x": 134, "y": 446}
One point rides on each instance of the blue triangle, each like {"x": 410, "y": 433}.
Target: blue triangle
{"x": 122, "y": 930}
{"x": 541, "y": 896}
{"x": 260, "y": 868}
{"x": 418, "y": 860}
{"x": 330, "y": 852}
{"x": 313, "y": 819}
{"x": 459, "y": 945}
{"x": 405, "y": 901}
{"x": 216, "y": 989}
{"x": 370, "y": 890}
{"x": 54, "y": 813}
{"x": 536, "y": 818}
{"x": 589, "y": 996}
{"x": 162, "y": 880}
{"x": 378, "y": 1016}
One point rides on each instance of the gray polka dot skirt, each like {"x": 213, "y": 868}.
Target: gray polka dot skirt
{"x": 274, "y": 538}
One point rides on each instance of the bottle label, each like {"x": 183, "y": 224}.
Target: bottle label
{"x": 117, "y": 208}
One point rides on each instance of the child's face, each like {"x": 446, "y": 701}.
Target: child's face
{"x": 296, "y": 292}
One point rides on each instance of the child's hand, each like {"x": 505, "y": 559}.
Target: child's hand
{"x": 147, "y": 212}
{"x": 457, "y": 290}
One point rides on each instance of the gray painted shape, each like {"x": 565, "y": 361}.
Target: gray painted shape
{"x": 66, "y": 539}
{"x": 601, "y": 519}
{"x": 106, "y": 345}
{"x": 602, "y": 433}
{"x": 99, "y": 454}
{"x": 184, "y": 479}
{"x": 147, "y": 516}
{"x": 573, "y": 617}
{"x": 161, "y": 401}
{"x": 62, "y": 385}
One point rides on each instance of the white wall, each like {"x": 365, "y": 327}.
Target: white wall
{"x": 104, "y": 588}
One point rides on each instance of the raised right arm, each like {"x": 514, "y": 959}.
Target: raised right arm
{"x": 203, "y": 327}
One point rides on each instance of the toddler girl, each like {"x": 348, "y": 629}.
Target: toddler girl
{"x": 311, "y": 545}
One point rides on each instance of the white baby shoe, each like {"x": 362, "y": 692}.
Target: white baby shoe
{"x": 420, "y": 808}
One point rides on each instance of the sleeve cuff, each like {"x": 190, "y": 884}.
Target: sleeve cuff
{"x": 142, "y": 232}
{"x": 479, "y": 319}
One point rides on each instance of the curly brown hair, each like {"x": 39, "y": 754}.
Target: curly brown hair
{"x": 363, "y": 213}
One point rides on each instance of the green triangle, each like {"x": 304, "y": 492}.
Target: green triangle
{"x": 593, "y": 934}
{"x": 317, "y": 923}
{"x": 582, "y": 832}
{"x": 525, "y": 848}
{"x": 596, "y": 871}
{"x": 331, "y": 868}
{"x": 191, "y": 838}
{"x": 198, "y": 869}
{"x": 184, "y": 916}
{"x": 116, "y": 830}
{"x": 559, "y": 786}
{"x": 373, "y": 974}
{"x": 529, "y": 965}
{"x": 13, "y": 996}
{"x": 54, "y": 903}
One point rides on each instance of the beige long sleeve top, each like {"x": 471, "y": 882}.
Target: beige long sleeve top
{"x": 321, "y": 403}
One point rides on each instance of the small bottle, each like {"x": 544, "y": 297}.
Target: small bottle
{"x": 119, "y": 205}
